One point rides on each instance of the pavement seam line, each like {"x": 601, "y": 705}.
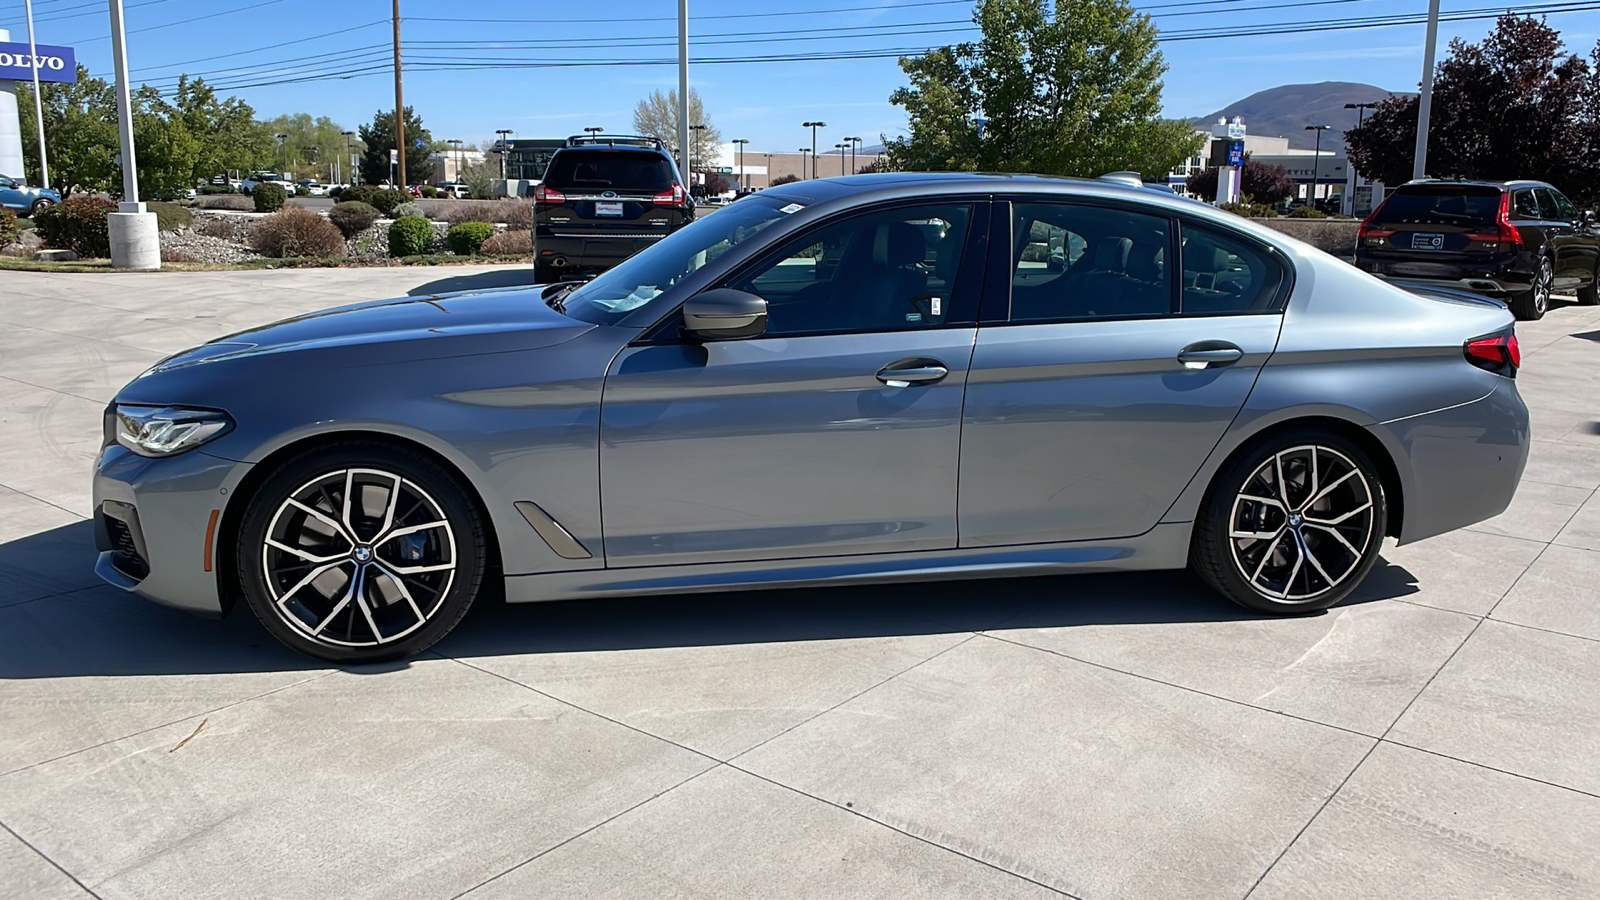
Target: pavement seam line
{"x": 53, "y": 390}
{"x": 601, "y": 824}
{"x": 81, "y": 516}
{"x": 134, "y": 734}
{"x": 916, "y": 837}
{"x": 1478, "y": 765}
{"x": 864, "y": 690}
{"x": 1520, "y": 575}
{"x": 58, "y": 867}
{"x": 1181, "y": 687}
{"x": 56, "y": 596}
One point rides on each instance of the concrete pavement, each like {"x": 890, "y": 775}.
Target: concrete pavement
{"x": 1094, "y": 737}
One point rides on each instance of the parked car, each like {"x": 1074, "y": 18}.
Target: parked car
{"x": 311, "y": 188}
{"x": 1519, "y": 241}
{"x": 602, "y": 200}
{"x": 248, "y": 185}
{"x": 454, "y": 190}
{"x": 831, "y": 382}
{"x": 15, "y": 195}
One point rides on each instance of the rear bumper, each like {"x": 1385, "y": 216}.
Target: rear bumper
{"x": 1461, "y": 465}
{"x": 1500, "y": 276}
{"x": 590, "y": 251}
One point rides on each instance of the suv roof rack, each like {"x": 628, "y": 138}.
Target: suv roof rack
{"x": 626, "y": 140}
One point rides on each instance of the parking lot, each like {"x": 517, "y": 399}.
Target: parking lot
{"x": 1128, "y": 736}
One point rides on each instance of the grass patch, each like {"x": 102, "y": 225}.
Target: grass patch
{"x": 81, "y": 266}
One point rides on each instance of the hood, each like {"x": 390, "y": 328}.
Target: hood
{"x": 426, "y": 327}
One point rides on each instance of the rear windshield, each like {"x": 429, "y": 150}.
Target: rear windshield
{"x": 1441, "y": 204}
{"x": 610, "y": 170}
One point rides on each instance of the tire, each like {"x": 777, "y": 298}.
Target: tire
{"x": 1533, "y": 303}
{"x": 416, "y": 575}
{"x": 1332, "y": 551}
{"x": 1589, "y": 295}
{"x": 544, "y": 274}
{"x": 40, "y": 206}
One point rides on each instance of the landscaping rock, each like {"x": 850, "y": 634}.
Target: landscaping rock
{"x": 54, "y": 255}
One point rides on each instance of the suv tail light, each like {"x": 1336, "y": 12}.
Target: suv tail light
{"x": 542, "y": 194}
{"x": 1368, "y": 236}
{"x": 1498, "y": 353}
{"x": 1509, "y": 235}
{"x": 674, "y": 197}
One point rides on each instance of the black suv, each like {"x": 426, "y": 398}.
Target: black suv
{"x": 603, "y": 199}
{"x": 1519, "y": 241}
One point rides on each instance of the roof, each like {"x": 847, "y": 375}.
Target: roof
{"x": 1477, "y": 182}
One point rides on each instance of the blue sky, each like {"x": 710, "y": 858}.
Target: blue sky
{"x": 230, "y": 42}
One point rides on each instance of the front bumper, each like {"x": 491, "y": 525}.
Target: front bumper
{"x": 1461, "y": 465}
{"x": 156, "y": 525}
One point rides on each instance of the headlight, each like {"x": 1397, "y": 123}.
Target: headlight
{"x": 167, "y": 430}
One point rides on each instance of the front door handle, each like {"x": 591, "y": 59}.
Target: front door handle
{"x": 906, "y": 372}
{"x": 1209, "y": 354}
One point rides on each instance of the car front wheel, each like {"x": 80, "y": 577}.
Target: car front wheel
{"x": 1293, "y": 525}
{"x": 361, "y": 552}
{"x": 40, "y": 205}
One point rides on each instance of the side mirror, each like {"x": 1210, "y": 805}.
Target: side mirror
{"x": 1588, "y": 217}
{"x": 724, "y": 313}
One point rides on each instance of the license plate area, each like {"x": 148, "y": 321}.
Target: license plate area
{"x": 1421, "y": 241}
{"x": 607, "y": 208}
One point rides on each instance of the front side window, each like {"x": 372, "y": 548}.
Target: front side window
{"x": 887, "y": 271}
{"x": 1556, "y": 206}
{"x": 1084, "y": 262}
{"x": 1224, "y": 275}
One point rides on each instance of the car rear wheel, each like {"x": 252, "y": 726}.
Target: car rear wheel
{"x": 40, "y": 206}
{"x": 1589, "y": 295}
{"x": 1535, "y": 301}
{"x": 361, "y": 552}
{"x": 1292, "y": 526}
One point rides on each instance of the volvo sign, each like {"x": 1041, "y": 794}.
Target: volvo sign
{"x": 17, "y": 63}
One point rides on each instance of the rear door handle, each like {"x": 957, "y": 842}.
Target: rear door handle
{"x": 1209, "y": 354}
{"x": 906, "y": 372}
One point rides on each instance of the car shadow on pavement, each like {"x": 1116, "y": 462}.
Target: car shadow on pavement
{"x": 481, "y": 281}
{"x": 58, "y": 621}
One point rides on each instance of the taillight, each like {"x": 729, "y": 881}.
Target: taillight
{"x": 1368, "y": 236}
{"x": 674, "y": 197}
{"x": 1498, "y": 353}
{"x": 542, "y": 194}
{"x": 1508, "y": 234}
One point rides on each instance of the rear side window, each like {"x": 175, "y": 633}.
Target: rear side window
{"x": 1225, "y": 276}
{"x": 1524, "y": 205}
{"x": 1441, "y": 204}
{"x": 610, "y": 170}
{"x": 1074, "y": 261}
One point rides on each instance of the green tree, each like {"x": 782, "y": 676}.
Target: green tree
{"x": 378, "y": 138}
{"x": 230, "y": 138}
{"x": 657, "y": 117}
{"x": 1261, "y": 182}
{"x": 165, "y": 149}
{"x": 311, "y": 145}
{"x": 80, "y": 123}
{"x": 1076, "y": 91}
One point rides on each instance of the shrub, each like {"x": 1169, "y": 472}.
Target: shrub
{"x": 509, "y": 243}
{"x": 217, "y": 228}
{"x": 467, "y": 238}
{"x": 1250, "y": 210}
{"x": 170, "y": 216}
{"x": 269, "y": 197}
{"x": 361, "y": 193}
{"x": 410, "y": 236}
{"x": 784, "y": 179}
{"x": 296, "y": 231}
{"x": 407, "y": 211}
{"x": 516, "y": 214}
{"x": 234, "y": 202}
{"x": 352, "y": 217}
{"x": 174, "y": 255}
{"x": 387, "y": 201}
{"x": 429, "y": 191}
{"x": 9, "y": 232}
{"x": 1307, "y": 212}
{"x": 212, "y": 189}
{"x": 77, "y": 224}
{"x": 335, "y": 191}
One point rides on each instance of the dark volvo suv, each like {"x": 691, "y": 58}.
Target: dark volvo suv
{"x": 603, "y": 199}
{"x": 1519, "y": 241}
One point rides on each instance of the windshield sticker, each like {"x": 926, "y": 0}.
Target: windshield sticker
{"x": 791, "y": 209}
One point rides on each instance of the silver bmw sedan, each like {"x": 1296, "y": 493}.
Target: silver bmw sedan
{"x": 877, "y": 378}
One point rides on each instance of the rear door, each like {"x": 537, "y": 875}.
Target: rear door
{"x": 614, "y": 189}
{"x": 1099, "y": 386}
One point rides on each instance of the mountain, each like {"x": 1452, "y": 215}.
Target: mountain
{"x": 1285, "y": 111}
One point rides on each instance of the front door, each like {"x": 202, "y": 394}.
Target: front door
{"x": 1112, "y": 374}
{"x": 815, "y": 438}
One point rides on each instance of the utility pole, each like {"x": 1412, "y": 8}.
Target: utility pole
{"x": 683, "y": 82}
{"x": 38, "y": 104}
{"x": 399, "y": 102}
{"x": 1419, "y": 164}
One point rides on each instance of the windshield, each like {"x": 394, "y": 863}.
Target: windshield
{"x": 647, "y": 274}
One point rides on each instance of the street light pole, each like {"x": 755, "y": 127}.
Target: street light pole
{"x": 134, "y": 238}
{"x": 813, "y": 126}
{"x": 38, "y": 103}
{"x": 1316, "y": 167}
{"x": 744, "y": 183}
{"x": 593, "y": 129}
{"x": 683, "y": 80}
{"x": 853, "y": 142}
{"x": 840, "y": 147}
{"x": 698, "y": 129}
{"x": 347, "y": 154}
{"x": 1419, "y": 164}
{"x": 504, "y": 149}
{"x": 803, "y": 174}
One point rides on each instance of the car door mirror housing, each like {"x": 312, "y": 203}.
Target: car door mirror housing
{"x": 724, "y": 313}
